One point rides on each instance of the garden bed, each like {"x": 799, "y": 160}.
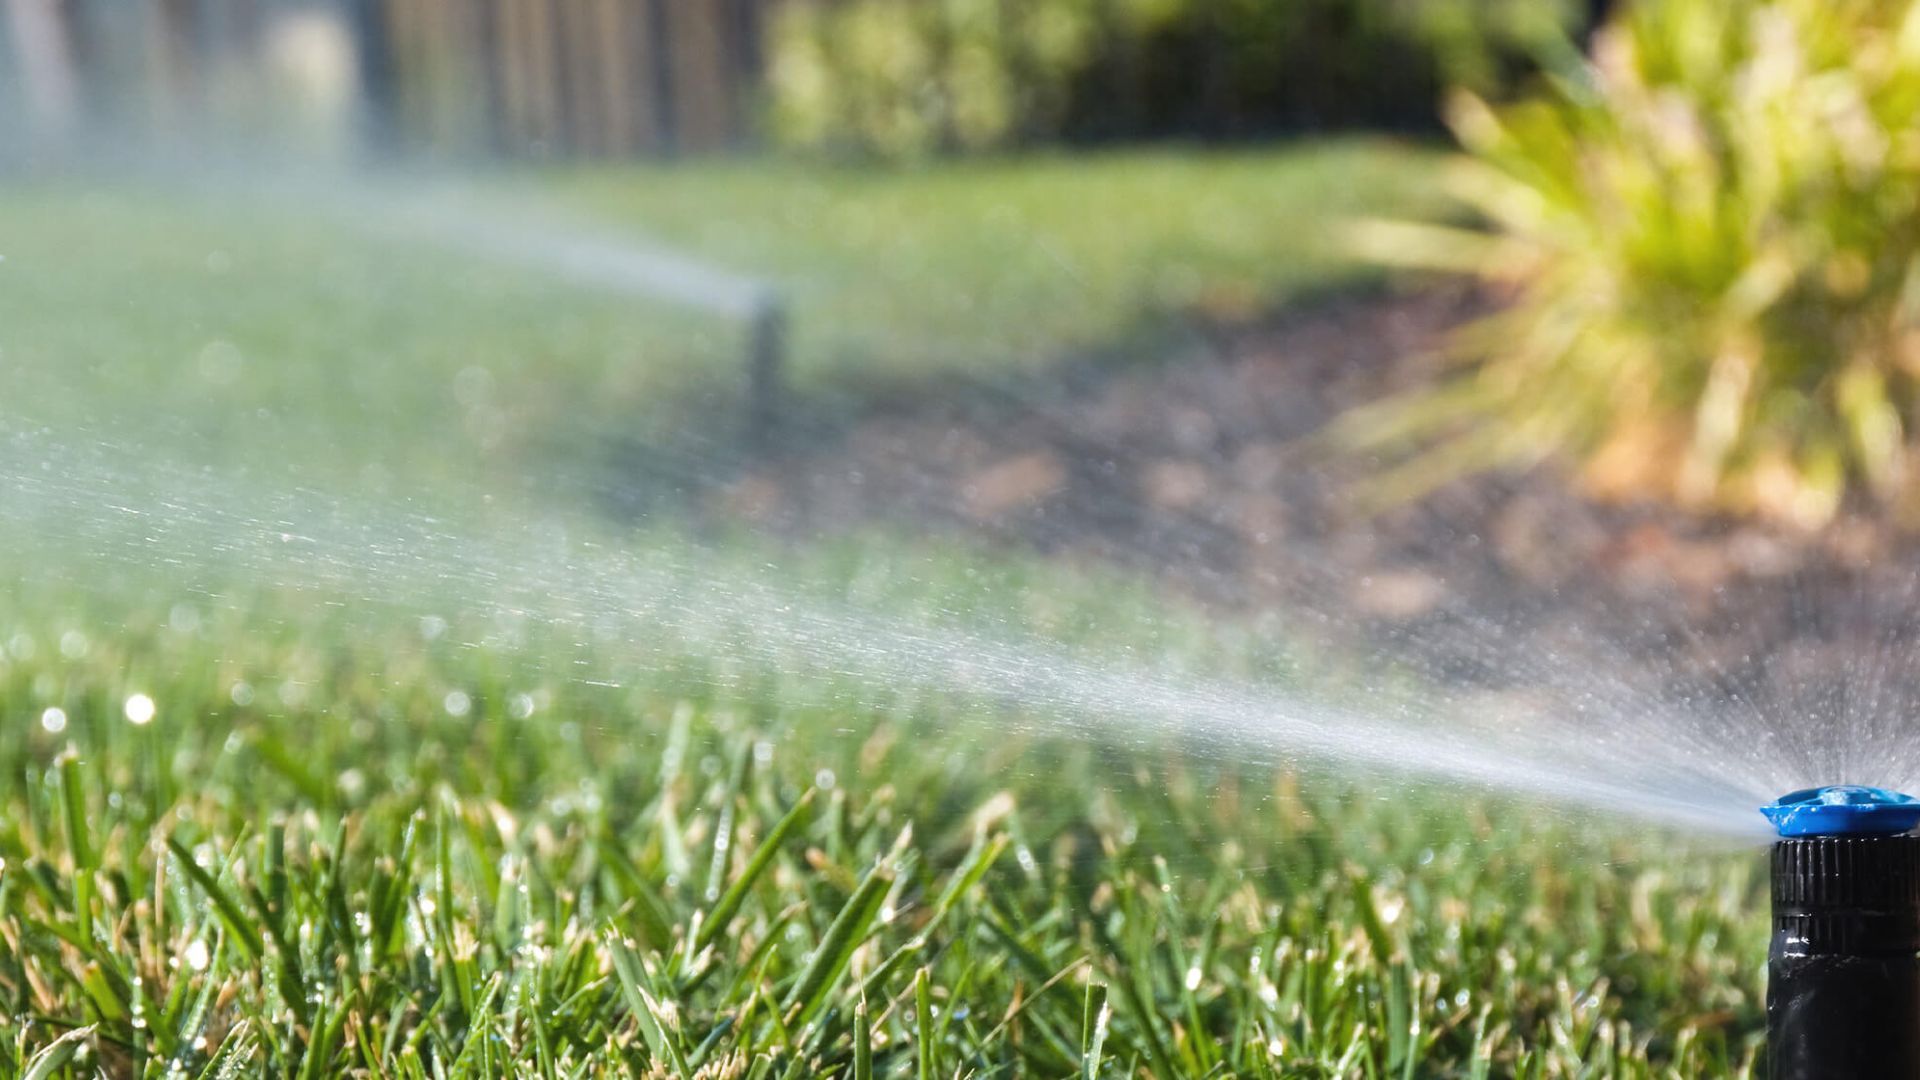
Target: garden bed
{"x": 1209, "y": 469}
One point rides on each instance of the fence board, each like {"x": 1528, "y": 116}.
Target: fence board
{"x": 702, "y": 87}
{"x": 617, "y": 89}
{"x": 588, "y": 78}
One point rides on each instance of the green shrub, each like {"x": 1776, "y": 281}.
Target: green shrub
{"x": 1708, "y": 252}
{"x": 904, "y": 78}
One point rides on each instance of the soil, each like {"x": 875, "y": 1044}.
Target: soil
{"x": 1205, "y": 468}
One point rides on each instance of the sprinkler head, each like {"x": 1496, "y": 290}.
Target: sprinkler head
{"x": 1843, "y": 971}
{"x": 1843, "y": 810}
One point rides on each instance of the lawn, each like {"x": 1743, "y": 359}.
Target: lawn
{"x": 233, "y": 324}
{"x": 321, "y": 759}
{"x": 332, "y": 849}
{"x": 996, "y": 264}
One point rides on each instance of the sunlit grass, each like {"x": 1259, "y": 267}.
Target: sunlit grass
{"x": 1012, "y": 263}
{"x": 409, "y": 852}
{"x": 319, "y": 331}
{"x": 376, "y": 826}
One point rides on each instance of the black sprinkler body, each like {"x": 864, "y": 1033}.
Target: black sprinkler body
{"x": 1843, "y": 970}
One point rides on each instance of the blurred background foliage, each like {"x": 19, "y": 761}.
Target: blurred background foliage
{"x": 1697, "y": 225}
{"x": 1707, "y": 249}
{"x": 894, "y": 79}
{"x": 570, "y": 79}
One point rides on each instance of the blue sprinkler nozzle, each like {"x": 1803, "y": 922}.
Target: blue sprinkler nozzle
{"x": 1843, "y": 810}
{"x": 1843, "y": 967}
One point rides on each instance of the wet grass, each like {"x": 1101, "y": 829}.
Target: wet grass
{"x": 353, "y": 841}
{"x": 354, "y": 837}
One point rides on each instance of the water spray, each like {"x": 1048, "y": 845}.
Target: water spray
{"x": 1843, "y": 971}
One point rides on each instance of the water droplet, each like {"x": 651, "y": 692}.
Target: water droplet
{"x": 183, "y": 619}
{"x": 197, "y": 955}
{"x": 241, "y": 694}
{"x": 139, "y": 710}
{"x": 74, "y": 645}
{"x": 457, "y": 703}
{"x": 54, "y": 719}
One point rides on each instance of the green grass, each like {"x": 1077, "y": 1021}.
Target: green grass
{"x": 345, "y": 844}
{"x": 231, "y": 327}
{"x": 687, "y": 872}
{"x": 1007, "y": 264}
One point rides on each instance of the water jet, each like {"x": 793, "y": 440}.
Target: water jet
{"x": 1843, "y": 969}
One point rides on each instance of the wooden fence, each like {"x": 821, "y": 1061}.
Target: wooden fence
{"x": 568, "y": 78}
{"x": 448, "y": 78}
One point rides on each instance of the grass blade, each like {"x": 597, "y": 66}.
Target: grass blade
{"x": 54, "y": 1056}
{"x": 923, "y": 1023}
{"x": 835, "y": 954}
{"x": 736, "y": 893}
{"x": 1093, "y": 1030}
{"x": 1137, "y": 1005}
{"x": 234, "y": 1058}
{"x": 73, "y": 803}
{"x": 862, "y": 1044}
{"x": 224, "y": 907}
{"x": 662, "y": 1042}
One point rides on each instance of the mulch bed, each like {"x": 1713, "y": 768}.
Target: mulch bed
{"x": 1205, "y": 469}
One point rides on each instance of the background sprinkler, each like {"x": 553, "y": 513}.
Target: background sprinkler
{"x": 1843, "y": 985}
